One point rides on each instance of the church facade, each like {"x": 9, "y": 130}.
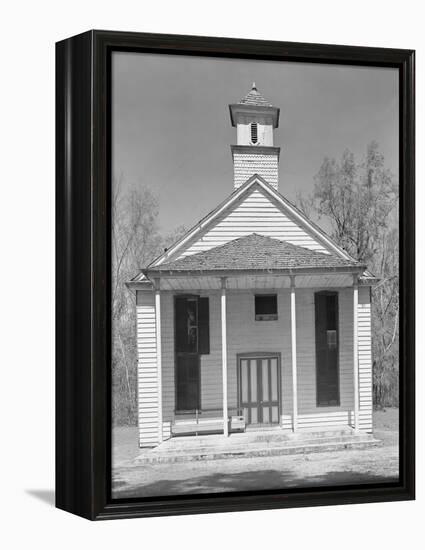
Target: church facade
{"x": 255, "y": 319}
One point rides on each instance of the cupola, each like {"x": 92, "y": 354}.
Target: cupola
{"x": 255, "y": 120}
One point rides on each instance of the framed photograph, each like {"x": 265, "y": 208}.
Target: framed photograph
{"x": 235, "y": 275}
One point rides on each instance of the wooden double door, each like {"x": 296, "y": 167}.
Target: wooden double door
{"x": 259, "y": 388}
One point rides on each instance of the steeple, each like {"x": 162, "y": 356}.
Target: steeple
{"x": 255, "y": 119}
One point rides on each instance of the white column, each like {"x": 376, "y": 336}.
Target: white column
{"x": 158, "y": 354}
{"x": 356, "y": 351}
{"x": 224, "y": 355}
{"x": 294, "y": 357}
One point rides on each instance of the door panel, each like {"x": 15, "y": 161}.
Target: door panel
{"x": 244, "y": 380}
{"x": 274, "y": 372}
{"x": 187, "y": 383}
{"x": 259, "y": 389}
{"x": 253, "y": 382}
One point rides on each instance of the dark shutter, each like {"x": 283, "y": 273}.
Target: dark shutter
{"x": 203, "y": 326}
{"x": 179, "y": 320}
{"x": 327, "y": 368}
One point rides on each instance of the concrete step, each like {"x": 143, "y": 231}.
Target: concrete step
{"x": 229, "y": 444}
{"x": 303, "y": 435}
{"x": 246, "y": 451}
{"x": 253, "y": 437}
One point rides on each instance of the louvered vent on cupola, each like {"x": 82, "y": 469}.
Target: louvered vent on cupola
{"x": 254, "y": 132}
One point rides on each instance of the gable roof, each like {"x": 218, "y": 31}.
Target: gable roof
{"x": 289, "y": 208}
{"x": 256, "y": 252}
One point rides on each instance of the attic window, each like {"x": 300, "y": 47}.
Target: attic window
{"x": 254, "y": 132}
{"x": 266, "y": 307}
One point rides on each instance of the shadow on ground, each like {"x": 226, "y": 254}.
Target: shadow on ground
{"x": 45, "y": 495}
{"x": 242, "y": 481}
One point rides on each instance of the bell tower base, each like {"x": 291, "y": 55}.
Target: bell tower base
{"x": 249, "y": 160}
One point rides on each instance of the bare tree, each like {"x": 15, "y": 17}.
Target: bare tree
{"x": 359, "y": 201}
{"x": 135, "y": 242}
{"x": 135, "y": 238}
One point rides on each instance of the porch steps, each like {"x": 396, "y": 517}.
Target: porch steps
{"x": 218, "y": 447}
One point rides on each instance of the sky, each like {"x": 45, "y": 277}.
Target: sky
{"x": 171, "y": 127}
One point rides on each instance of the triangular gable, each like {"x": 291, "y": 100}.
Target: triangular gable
{"x": 253, "y": 208}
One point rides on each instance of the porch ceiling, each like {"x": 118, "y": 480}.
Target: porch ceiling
{"x": 259, "y": 282}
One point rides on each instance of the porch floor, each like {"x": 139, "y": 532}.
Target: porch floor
{"x": 254, "y": 444}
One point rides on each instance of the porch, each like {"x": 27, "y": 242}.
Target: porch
{"x": 295, "y": 368}
{"x": 273, "y": 442}
{"x": 260, "y": 374}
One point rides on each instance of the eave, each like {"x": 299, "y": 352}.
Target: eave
{"x": 246, "y": 109}
{"x": 175, "y": 273}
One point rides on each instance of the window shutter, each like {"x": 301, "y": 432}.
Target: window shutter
{"x": 180, "y": 324}
{"x": 204, "y": 325}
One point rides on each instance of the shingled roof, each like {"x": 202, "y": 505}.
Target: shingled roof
{"x": 253, "y": 97}
{"x": 255, "y": 252}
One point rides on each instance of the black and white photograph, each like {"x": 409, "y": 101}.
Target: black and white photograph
{"x": 254, "y": 275}
{"x": 212, "y": 233}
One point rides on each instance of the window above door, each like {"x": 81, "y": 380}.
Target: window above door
{"x": 266, "y": 307}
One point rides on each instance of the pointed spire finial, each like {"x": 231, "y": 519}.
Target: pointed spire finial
{"x": 254, "y": 87}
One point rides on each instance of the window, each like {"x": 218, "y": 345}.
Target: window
{"x": 192, "y": 325}
{"x": 254, "y": 132}
{"x": 266, "y": 307}
{"x": 327, "y": 361}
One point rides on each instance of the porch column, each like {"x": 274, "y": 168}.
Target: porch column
{"x": 224, "y": 355}
{"x": 158, "y": 354}
{"x": 294, "y": 357}
{"x": 356, "y": 351}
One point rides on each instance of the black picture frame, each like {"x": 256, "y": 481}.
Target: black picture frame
{"x": 83, "y": 377}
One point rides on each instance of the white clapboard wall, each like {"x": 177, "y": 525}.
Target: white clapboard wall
{"x": 147, "y": 370}
{"x": 256, "y": 212}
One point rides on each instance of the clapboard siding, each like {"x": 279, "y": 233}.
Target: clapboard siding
{"x": 147, "y": 372}
{"x": 365, "y": 360}
{"x": 255, "y": 213}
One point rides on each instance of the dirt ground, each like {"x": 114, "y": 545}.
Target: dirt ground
{"x": 374, "y": 465}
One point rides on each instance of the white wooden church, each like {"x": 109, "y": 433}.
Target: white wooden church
{"x": 255, "y": 319}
